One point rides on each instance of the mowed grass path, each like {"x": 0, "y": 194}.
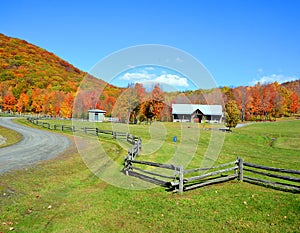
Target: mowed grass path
{"x": 62, "y": 195}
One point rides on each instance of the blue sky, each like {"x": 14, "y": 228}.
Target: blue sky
{"x": 239, "y": 42}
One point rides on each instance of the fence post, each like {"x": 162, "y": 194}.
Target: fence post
{"x": 130, "y": 155}
{"x": 127, "y": 165}
{"x": 114, "y": 135}
{"x": 48, "y": 125}
{"x": 240, "y": 165}
{"x": 84, "y": 128}
{"x": 140, "y": 144}
{"x": 181, "y": 179}
{"x": 62, "y": 127}
{"x": 97, "y": 131}
{"x": 73, "y": 128}
{"x": 54, "y": 127}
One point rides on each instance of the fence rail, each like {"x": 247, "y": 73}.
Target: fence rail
{"x": 291, "y": 183}
{"x": 194, "y": 178}
{"x": 153, "y": 177}
{"x": 210, "y": 182}
{"x": 204, "y": 169}
{"x": 209, "y": 175}
{"x": 272, "y": 168}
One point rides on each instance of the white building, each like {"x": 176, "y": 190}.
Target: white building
{"x": 96, "y": 115}
{"x": 196, "y": 113}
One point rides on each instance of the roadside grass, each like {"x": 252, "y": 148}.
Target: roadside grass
{"x": 62, "y": 195}
{"x": 11, "y": 136}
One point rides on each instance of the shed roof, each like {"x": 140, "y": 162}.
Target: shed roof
{"x": 97, "y": 111}
{"x": 190, "y": 108}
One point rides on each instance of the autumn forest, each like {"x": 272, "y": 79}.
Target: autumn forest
{"x": 34, "y": 80}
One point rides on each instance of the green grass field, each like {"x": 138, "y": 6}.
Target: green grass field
{"x": 11, "y": 136}
{"x": 62, "y": 195}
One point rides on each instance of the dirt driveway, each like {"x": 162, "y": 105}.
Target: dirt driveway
{"x": 35, "y": 146}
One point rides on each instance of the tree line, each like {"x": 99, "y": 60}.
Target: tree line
{"x": 135, "y": 103}
{"x": 264, "y": 102}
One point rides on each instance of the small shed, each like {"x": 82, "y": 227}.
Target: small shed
{"x": 96, "y": 115}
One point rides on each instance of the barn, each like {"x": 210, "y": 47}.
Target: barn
{"x": 96, "y": 115}
{"x": 197, "y": 113}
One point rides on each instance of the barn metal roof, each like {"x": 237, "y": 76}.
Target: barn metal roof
{"x": 190, "y": 108}
{"x": 97, "y": 111}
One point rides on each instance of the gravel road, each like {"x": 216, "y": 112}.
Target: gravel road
{"x": 35, "y": 146}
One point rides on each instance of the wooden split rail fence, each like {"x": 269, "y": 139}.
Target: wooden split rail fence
{"x": 178, "y": 179}
{"x": 136, "y": 142}
{"x": 184, "y": 180}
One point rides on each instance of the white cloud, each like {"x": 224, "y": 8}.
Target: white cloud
{"x": 260, "y": 70}
{"x": 178, "y": 60}
{"x": 149, "y": 68}
{"x": 172, "y": 80}
{"x": 137, "y": 76}
{"x": 164, "y": 78}
{"x": 273, "y": 78}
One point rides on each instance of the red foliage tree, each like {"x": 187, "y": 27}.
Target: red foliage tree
{"x": 268, "y": 100}
{"x": 294, "y": 106}
{"x": 141, "y": 92}
{"x": 9, "y": 102}
{"x": 157, "y": 102}
{"x": 242, "y": 97}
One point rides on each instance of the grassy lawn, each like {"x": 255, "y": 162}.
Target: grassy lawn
{"x": 63, "y": 195}
{"x": 11, "y": 136}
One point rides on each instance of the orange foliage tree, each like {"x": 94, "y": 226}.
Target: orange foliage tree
{"x": 9, "y": 102}
{"x": 67, "y": 106}
{"x": 22, "y": 104}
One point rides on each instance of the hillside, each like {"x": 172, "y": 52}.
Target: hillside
{"x": 38, "y": 81}
{"x": 293, "y": 86}
{"x": 25, "y": 66}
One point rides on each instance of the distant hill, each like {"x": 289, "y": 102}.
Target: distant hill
{"x": 293, "y": 86}
{"x": 25, "y": 66}
{"x": 34, "y": 80}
